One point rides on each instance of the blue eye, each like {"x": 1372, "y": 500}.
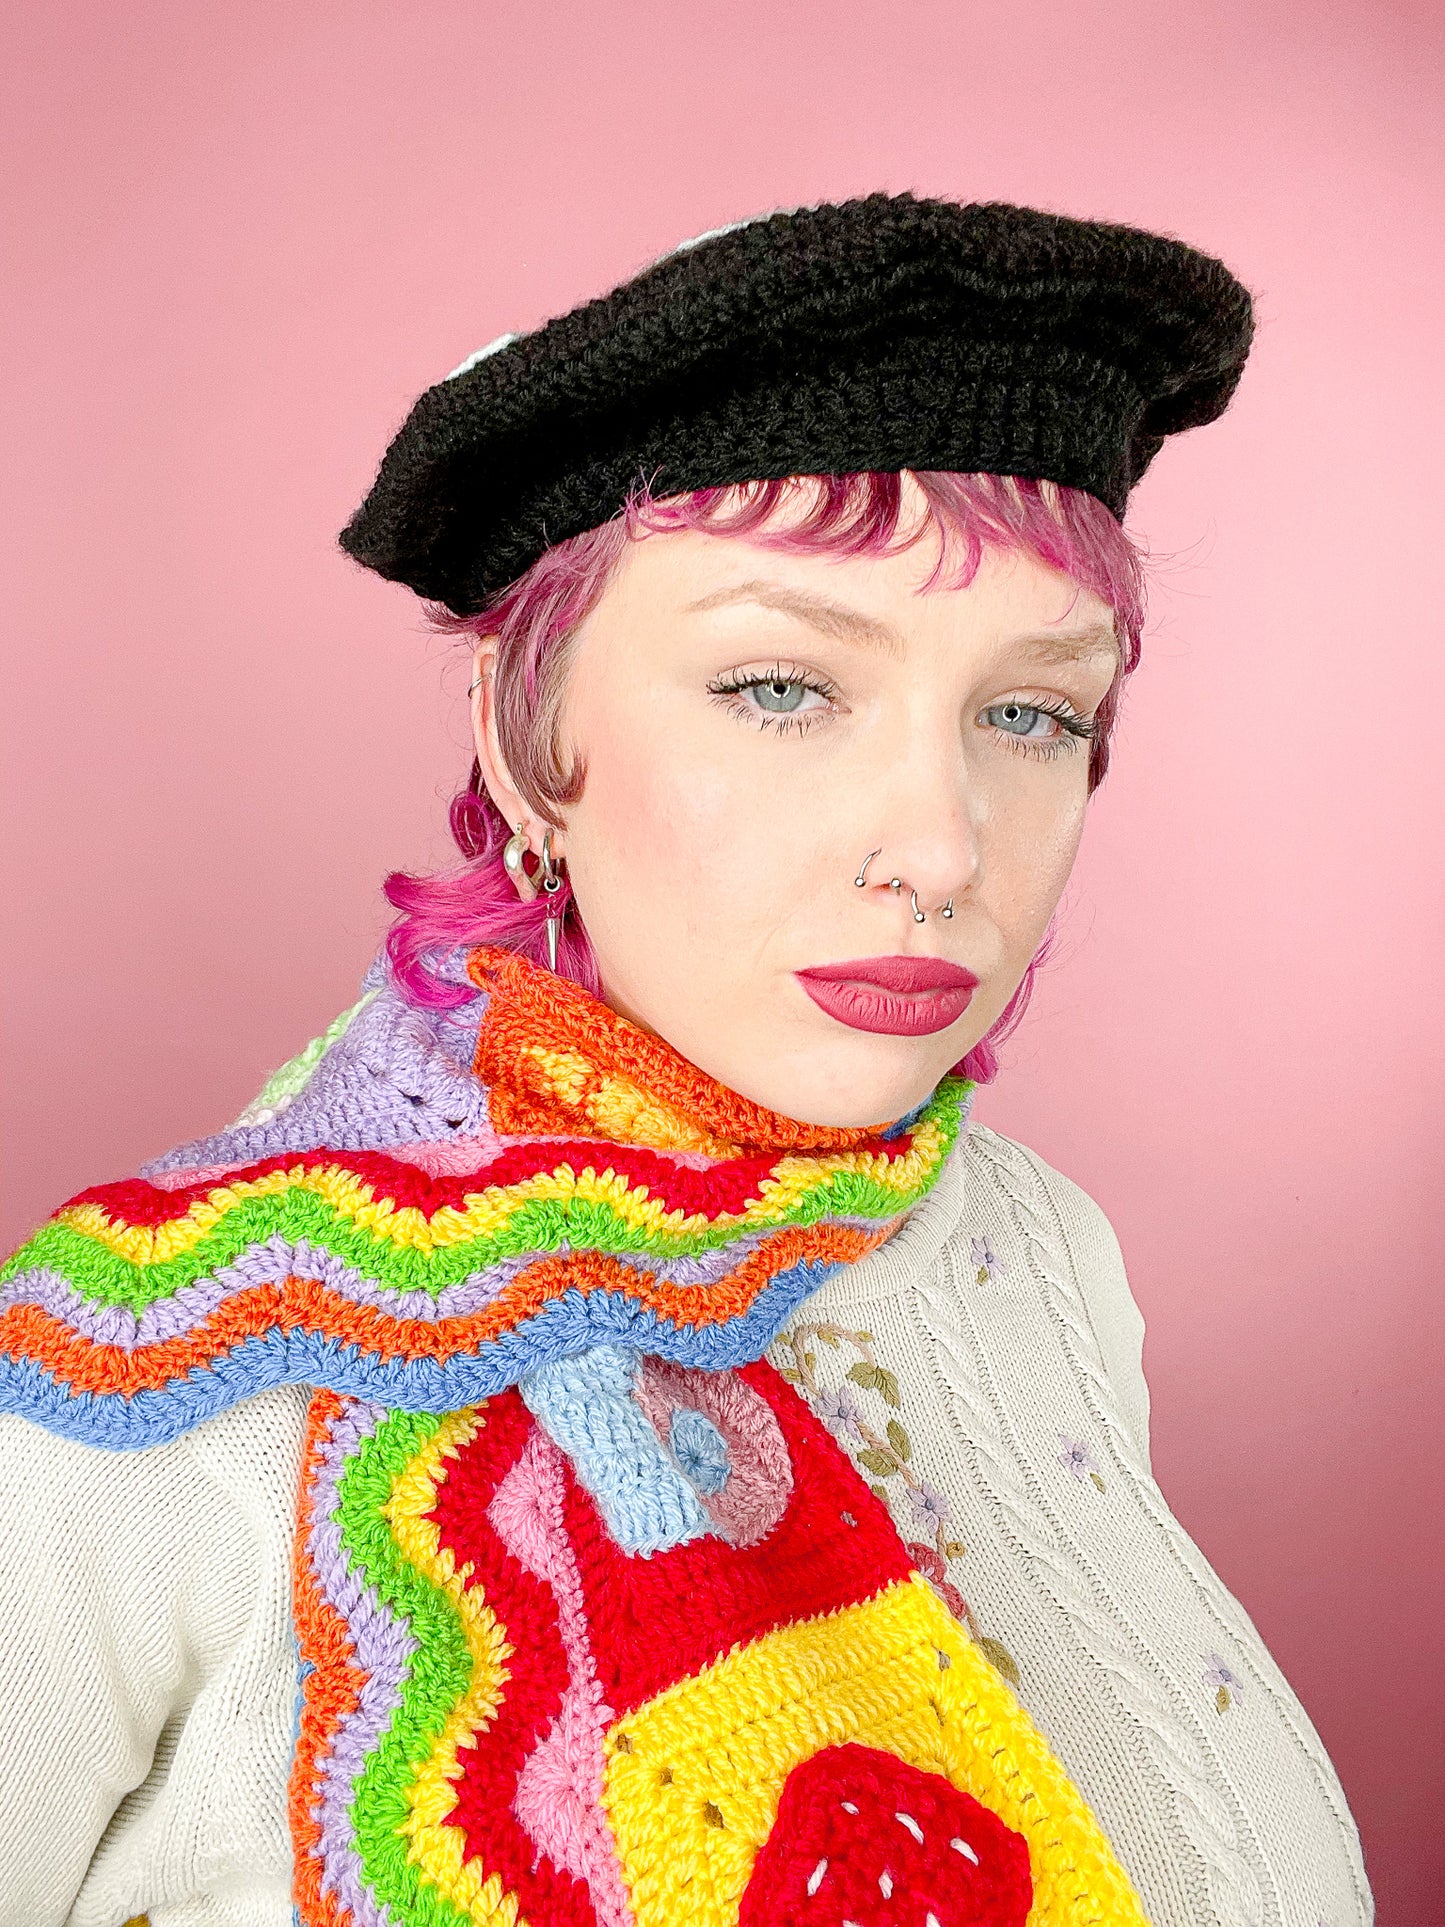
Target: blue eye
{"x": 777, "y": 698}
{"x": 1020, "y": 719}
{"x": 782, "y": 698}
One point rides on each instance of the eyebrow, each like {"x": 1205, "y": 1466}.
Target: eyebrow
{"x": 829, "y": 618}
{"x": 1052, "y": 646}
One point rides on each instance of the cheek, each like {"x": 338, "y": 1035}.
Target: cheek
{"x": 667, "y": 825}
{"x": 1029, "y": 853}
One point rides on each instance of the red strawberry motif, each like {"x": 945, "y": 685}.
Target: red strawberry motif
{"x": 864, "y": 1840}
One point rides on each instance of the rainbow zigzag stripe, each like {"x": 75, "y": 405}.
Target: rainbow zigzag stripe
{"x": 138, "y": 1311}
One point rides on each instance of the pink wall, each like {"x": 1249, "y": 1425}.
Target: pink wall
{"x": 249, "y": 233}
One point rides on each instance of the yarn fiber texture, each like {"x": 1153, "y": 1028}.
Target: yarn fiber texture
{"x": 883, "y": 333}
{"x": 620, "y": 1635}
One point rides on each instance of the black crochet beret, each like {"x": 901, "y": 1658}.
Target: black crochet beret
{"x": 884, "y": 333}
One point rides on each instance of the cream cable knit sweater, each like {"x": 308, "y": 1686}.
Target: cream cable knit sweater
{"x": 985, "y": 1369}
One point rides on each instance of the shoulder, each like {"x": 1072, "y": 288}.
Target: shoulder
{"x": 1050, "y": 1228}
{"x": 158, "y": 1503}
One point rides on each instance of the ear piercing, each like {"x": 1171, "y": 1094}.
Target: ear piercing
{"x": 551, "y": 883}
{"x": 895, "y": 884}
{"x": 516, "y": 848}
{"x": 548, "y": 880}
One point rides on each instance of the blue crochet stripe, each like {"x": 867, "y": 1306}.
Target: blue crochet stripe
{"x": 576, "y": 1322}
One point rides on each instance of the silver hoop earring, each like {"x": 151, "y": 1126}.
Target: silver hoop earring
{"x": 862, "y": 876}
{"x": 513, "y": 852}
{"x": 551, "y": 882}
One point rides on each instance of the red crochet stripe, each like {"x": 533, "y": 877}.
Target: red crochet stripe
{"x": 724, "y": 1188}
{"x": 536, "y": 1670}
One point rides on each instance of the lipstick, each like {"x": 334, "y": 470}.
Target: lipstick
{"x": 894, "y": 996}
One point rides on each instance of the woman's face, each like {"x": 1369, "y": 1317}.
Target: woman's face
{"x": 752, "y": 725}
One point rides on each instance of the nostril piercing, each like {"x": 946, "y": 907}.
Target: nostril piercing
{"x": 918, "y": 915}
{"x": 895, "y": 884}
{"x": 862, "y": 876}
{"x": 947, "y": 910}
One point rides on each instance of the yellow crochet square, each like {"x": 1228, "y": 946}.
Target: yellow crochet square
{"x": 693, "y": 1778}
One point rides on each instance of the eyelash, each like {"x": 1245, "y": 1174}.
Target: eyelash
{"x": 728, "y": 689}
{"x": 1073, "y": 728}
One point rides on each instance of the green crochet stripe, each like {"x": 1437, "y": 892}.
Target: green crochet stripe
{"x": 300, "y": 1216}
{"x": 428, "y": 1692}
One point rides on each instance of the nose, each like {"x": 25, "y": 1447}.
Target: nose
{"x": 925, "y": 811}
{"x": 926, "y": 869}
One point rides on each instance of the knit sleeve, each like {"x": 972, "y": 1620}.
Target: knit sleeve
{"x": 146, "y": 1674}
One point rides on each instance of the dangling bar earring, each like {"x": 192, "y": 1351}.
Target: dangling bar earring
{"x": 551, "y": 883}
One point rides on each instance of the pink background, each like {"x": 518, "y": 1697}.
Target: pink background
{"x": 248, "y": 234}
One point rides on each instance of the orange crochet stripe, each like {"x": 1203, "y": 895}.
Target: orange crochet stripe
{"x": 333, "y": 1692}
{"x": 533, "y": 1013}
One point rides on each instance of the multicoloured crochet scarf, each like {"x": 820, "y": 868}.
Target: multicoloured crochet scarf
{"x": 596, "y": 1622}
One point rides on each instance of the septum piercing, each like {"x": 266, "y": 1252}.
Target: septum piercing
{"x": 895, "y": 884}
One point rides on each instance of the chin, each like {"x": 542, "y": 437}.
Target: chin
{"x": 873, "y": 1082}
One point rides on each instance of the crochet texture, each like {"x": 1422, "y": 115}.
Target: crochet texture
{"x": 618, "y": 1634}
{"x": 882, "y": 333}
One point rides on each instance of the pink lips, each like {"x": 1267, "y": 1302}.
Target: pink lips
{"x": 897, "y": 996}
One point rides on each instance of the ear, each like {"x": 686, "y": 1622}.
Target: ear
{"x": 496, "y": 776}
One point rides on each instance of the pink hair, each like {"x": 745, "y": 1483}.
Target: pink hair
{"x": 536, "y": 618}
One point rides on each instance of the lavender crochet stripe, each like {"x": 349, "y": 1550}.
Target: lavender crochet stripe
{"x": 278, "y": 1259}
{"x": 395, "y": 1076}
{"x": 383, "y": 1646}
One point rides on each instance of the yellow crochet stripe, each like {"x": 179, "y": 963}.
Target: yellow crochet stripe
{"x": 794, "y": 1177}
{"x": 693, "y": 1779}
{"x": 487, "y": 1211}
{"x": 620, "y": 1109}
{"x": 436, "y": 1847}
{"x": 627, "y": 1114}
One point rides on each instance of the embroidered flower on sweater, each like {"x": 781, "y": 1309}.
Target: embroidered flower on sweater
{"x": 1078, "y": 1459}
{"x": 885, "y": 1453}
{"x": 932, "y": 1508}
{"x": 841, "y": 1413}
{"x": 987, "y": 1268}
{"x": 1229, "y": 1687}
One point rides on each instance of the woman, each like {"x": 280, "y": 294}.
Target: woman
{"x": 701, "y": 1476}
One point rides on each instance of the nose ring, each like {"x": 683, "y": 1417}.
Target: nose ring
{"x": 895, "y": 884}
